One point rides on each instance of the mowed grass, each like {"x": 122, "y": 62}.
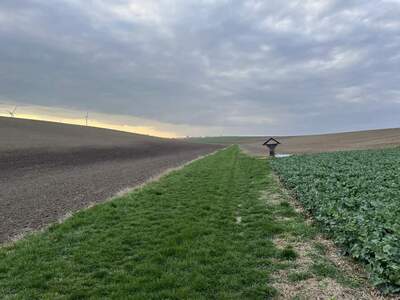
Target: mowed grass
{"x": 198, "y": 233}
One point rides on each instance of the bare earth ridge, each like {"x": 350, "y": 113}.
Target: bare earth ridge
{"x": 48, "y": 170}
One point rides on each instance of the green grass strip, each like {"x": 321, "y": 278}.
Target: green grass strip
{"x": 178, "y": 238}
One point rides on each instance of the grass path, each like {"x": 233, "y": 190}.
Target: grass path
{"x": 218, "y": 229}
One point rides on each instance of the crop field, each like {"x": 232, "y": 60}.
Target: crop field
{"x": 355, "y": 196}
{"x": 49, "y": 170}
{"x": 220, "y": 228}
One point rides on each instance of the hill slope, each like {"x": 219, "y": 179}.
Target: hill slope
{"x": 28, "y": 134}
{"x": 369, "y": 139}
{"x": 48, "y": 169}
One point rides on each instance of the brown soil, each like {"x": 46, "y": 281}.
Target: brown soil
{"x": 371, "y": 139}
{"x": 48, "y": 170}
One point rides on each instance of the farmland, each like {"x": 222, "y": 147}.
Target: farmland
{"x": 49, "y": 170}
{"x": 357, "y": 140}
{"x": 220, "y": 228}
{"x": 355, "y": 197}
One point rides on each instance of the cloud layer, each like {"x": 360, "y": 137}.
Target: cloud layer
{"x": 223, "y": 67}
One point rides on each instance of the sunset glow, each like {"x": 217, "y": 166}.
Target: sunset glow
{"x": 122, "y": 123}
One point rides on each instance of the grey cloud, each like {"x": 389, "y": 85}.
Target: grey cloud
{"x": 250, "y": 67}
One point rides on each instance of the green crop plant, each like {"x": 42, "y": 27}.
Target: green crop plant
{"x": 355, "y": 196}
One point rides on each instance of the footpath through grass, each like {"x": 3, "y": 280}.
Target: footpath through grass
{"x": 198, "y": 233}
{"x": 218, "y": 229}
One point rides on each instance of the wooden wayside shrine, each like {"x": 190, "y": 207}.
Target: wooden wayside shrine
{"x": 271, "y": 144}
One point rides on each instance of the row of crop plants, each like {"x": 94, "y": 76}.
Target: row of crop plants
{"x": 355, "y": 196}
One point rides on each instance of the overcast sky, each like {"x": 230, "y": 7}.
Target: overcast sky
{"x": 208, "y": 67}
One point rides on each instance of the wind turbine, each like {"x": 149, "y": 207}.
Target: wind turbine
{"x": 12, "y": 113}
{"x": 87, "y": 118}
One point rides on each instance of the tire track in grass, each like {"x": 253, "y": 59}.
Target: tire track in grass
{"x": 176, "y": 238}
{"x": 172, "y": 239}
